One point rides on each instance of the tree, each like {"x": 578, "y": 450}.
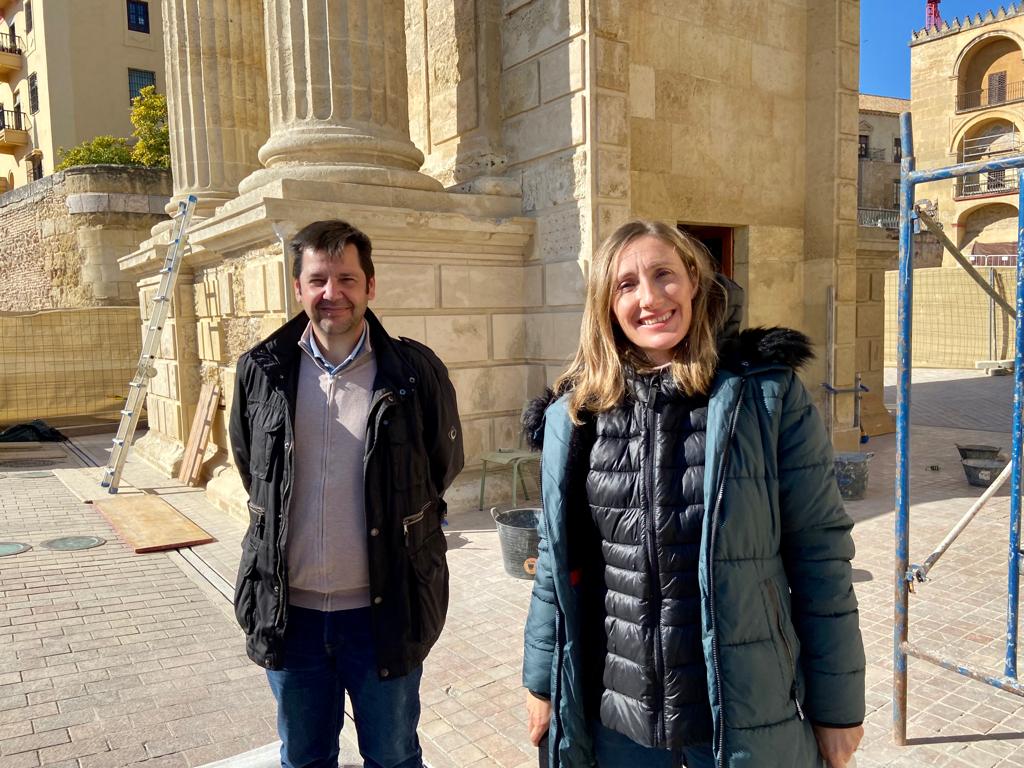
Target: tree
{"x": 102, "y": 150}
{"x": 149, "y": 118}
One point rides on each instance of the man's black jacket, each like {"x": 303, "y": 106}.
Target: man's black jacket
{"x": 413, "y": 452}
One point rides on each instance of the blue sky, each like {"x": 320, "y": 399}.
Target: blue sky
{"x": 885, "y": 27}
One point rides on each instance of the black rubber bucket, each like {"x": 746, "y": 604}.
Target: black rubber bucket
{"x": 517, "y": 532}
{"x": 982, "y": 472}
{"x": 978, "y": 451}
{"x": 852, "y": 474}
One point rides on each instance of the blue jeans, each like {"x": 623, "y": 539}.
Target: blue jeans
{"x": 327, "y": 655}
{"x": 614, "y": 750}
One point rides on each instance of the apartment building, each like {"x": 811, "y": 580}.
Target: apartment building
{"x": 68, "y": 72}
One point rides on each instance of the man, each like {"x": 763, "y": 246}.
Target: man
{"x": 345, "y": 439}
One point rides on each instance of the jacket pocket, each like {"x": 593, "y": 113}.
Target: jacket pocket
{"x": 786, "y": 644}
{"x": 257, "y": 525}
{"x": 245, "y": 591}
{"x": 407, "y": 457}
{"x": 267, "y": 426}
{"x": 428, "y": 587}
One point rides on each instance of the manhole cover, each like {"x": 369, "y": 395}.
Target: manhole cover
{"x": 67, "y": 543}
{"x": 35, "y": 474}
{"x": 13, "y": 548}
{"x": 27, "y": 463}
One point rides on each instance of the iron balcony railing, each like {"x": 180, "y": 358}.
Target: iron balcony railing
{"x": 11, "y": 43}
{"x": 990, "y": 97}
{"x": 878, "y": 217}
{"x": 990, "y": 145}
{"x": 9, "y": 119}
{"x": 876, "y": 154}
{"x": 992, "y": 183}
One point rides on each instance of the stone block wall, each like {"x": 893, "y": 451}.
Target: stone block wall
{"x": 61, "y": 236}
{"x": 951, "y": 318}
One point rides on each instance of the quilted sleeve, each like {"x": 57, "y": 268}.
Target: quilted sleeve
{"x": 817, "y": 548}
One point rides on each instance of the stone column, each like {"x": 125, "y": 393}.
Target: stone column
{"x": 216, "y": 97}
{"x": 338, "y": 95}
{"x": 481, "y": 158}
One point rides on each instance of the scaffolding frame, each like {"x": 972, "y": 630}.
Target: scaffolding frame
{"x": 906, "y": 574}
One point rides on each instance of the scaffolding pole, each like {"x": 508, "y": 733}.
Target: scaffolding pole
{"x": 904, "y": 574}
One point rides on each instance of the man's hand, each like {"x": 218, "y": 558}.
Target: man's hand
{"x": 837, "y": 745}
{"x": 538, "y": 717}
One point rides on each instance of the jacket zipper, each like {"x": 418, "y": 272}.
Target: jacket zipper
{"x": 412, "y": 520}
{"x": 652, "y": 556}
{"x": 777, "y": 605}
{"x": 282, "y": 529}
{"x": 555, "y": 708}
{"x": 715, "y": 664}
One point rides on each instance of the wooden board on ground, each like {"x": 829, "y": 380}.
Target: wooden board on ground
{"x": 199, "y": 435}
{"x": 150, "y": 524}
{"x": 84, "y": 483}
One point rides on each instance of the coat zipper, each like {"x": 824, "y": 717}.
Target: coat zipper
{"x": 282, "y": 530}
{"x": 652, "y": 556}
{"x": 777, "y": 605}
{"x": 555, "y": 704}
{"x": 413, "y": 519}
{"x": 715, "y": 663}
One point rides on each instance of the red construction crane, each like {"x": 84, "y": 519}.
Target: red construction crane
{"x": 932, "y": 17}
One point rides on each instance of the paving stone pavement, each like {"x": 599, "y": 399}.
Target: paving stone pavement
{"x": 109, "y": 658}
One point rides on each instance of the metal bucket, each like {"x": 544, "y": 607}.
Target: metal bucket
{"x": 982, "y": 472}
{"x": 978, "y": 451}
{"x": 852, "y": 474}
{"x": 517, "y": 533}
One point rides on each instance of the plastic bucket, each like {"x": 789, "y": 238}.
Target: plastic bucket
{"x": 852, "y": 474}
{"x": 978, "y": 451}
{"x": 982, "y": 472}
{"x": 517, "y": 533}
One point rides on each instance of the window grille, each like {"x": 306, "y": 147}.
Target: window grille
{"x": 137, "y": 80}
{"x": 138, "y": 16}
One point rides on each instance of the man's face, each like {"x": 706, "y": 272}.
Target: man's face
{"x": 334, "y": 291}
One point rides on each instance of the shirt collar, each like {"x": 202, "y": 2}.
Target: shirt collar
{"x": 308, "y": 343}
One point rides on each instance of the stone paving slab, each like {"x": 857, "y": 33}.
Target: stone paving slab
{"x": 109, "y": 659}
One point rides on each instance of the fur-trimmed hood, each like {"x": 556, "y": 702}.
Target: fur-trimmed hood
{"x": 745, "y": 351}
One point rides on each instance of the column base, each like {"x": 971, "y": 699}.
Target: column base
{"x": 341, "y": 173}
{"x": 161, "y": 452}
{"x": 225, "y": 491}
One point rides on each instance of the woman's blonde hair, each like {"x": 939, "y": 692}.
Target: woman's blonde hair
{"x": 597, "y": 374}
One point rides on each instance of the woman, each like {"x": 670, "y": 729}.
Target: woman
{"x": 693, "y": 602}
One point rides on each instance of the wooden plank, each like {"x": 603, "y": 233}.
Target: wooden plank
{"x": 150, "y": 524}
{"x": 199, "y": 435}
{"x": 84, "y": 483}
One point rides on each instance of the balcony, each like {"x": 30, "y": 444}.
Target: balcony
{"x": 878, "y": 217}
{"x": 990, "y": 97}
{"x": 1001, "y": 182}
{"x": 12, "y": 55}
{"x": 13, "y": 130}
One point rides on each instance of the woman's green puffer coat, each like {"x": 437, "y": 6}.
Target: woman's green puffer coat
{"x": 781, "y": 638}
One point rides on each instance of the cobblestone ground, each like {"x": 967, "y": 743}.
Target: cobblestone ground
{"x": 109, "y": 658}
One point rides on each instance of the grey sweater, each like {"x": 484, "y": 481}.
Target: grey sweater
{"x": 327, "y": 557}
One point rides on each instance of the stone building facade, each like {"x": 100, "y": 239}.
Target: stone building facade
{"x": 487, "y": 146}
{"x": 967, "y": 84}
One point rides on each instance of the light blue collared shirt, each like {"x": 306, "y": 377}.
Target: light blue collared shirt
{"x": 308, "y": 343}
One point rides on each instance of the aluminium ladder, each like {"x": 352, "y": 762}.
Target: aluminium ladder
{"x": 151, "y": 342}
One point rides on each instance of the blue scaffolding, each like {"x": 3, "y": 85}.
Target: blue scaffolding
{"x": 905, "y": 572}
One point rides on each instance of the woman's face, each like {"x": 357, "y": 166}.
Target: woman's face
{"x": 652, "y": 297}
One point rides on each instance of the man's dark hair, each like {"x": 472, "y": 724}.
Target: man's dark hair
{"x": 331, "y": 237}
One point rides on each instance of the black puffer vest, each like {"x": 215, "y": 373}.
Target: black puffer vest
{"x": 646, "y": 492}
